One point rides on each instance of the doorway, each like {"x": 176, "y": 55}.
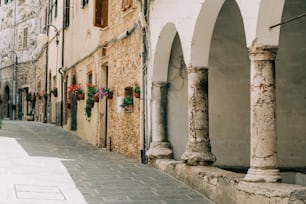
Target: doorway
{"x": 7, "y": 101}
{"x": 103, "y": 139}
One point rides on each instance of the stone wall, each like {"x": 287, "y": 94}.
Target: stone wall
{"x": 18, "y": 34}
{"x": 124, "y": 70}
{"x": 227, "y": 187}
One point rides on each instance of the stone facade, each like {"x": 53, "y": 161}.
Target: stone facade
{"x": 111, "y": 57}
{"x": 18, "y": 32}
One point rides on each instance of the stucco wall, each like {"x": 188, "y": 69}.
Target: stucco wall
{"x": 229, "y": 95}
{"x": 177, "y": 100}
{"x": 291, "y": 83}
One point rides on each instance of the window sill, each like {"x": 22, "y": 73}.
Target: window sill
{"x": 104, "y": 29}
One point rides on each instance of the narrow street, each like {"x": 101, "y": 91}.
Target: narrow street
{"x": 43, "y": 164}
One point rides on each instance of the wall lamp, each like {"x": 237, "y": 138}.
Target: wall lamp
{"x": 43, "y": 37}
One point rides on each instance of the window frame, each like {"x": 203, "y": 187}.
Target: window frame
{"x": 101, "y": 12}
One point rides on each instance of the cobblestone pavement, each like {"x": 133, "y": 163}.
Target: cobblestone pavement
{"x": 98, "y": 176}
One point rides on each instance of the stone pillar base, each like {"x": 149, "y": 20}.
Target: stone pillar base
{"x": 198, "y": 154}
{"x": 160, "y": 150}
{"x": 263, "y": 175}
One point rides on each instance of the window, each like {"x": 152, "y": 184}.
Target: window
{"x": 52, "y": 10}
{"x": 83, "y": 3}
{"x": 126, "y": 4}
{"x": 67, "y": 13}
{"x": 55, "y": 8}
{"x": 101, "y": 13}
{"x": 90, "y": 77}
{"x": 25, "y": 38}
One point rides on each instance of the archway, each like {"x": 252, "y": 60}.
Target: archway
{"x": 290, "y": 89}
{"x": 229, "y": 95}
{"x": 177, "y": 100}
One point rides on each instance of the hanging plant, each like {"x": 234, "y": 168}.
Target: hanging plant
{"x": 136, "y": 90}
{"x": 54, "y": 92}
{"x": 91, "y": 91}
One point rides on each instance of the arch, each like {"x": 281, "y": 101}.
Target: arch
{"x": 204, "y": 28}
{"x": 258, "y": 19}
{"x": 162, "y": 52}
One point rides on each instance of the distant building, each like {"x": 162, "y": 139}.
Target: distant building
{"x": 18, "y": 33}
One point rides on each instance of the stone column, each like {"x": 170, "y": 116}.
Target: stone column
{"x": 263, "y": 116}
{"x": 159, "y": 148}
{"x": 198, "y": 148}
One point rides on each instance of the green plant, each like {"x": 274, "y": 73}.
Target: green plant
{"x": 91, "y": 91}
{"x": 127, "y": 101}
{"x": 136, "y": 89}
{"x": 79, "y": 91}
{"x": 54, "y": 92}
{"x": 88, "y": 111}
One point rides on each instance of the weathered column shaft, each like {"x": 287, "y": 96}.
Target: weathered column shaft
{"x": 198, "y": 148}
{"x": 159, "y": 111}
{"x": 159, "y": 147}
{"x": 263, "y": 116}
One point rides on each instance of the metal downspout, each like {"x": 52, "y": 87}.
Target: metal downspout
{"x": 143, "y": 116}
{"x": 62, "y": 66}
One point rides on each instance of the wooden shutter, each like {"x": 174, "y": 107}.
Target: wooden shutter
{"x": 98, "y": 13}
{"x": 104, "y": 21}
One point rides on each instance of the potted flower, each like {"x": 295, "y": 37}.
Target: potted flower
{"x": 80, "y": 94}
{"x": 75, "y": 89}
{"x": 54, "y": 92}
{"x": 101, "y": 92}
{"x": 91, "y": 91}
{"x": 136, "y": 90}
{"x": 127, "y": 103}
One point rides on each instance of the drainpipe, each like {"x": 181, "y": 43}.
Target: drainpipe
{"x": 46, "y": 68}
{"x": 143, "y": 107}
{"x": 61, "y": 71}
{"x": 14, "y": 81}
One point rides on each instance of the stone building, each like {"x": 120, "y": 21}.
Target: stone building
{"x": 18, "y": 32}
{"x": 227, "y": 88}
{"x": 102, "y": 54}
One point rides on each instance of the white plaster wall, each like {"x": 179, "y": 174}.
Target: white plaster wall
{"x": 291, "y": 88}
{"x": 177, "y": 101}
{"x": 81, "y": 36}
{"x": 229, "y": 95}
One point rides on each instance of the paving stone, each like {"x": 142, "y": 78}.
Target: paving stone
{"x": 102, "y": 177}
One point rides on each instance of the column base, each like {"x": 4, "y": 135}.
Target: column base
{"x": 160, "y": 150}
{"x": 263, "y": 175}
{"x": 198, "y": 155}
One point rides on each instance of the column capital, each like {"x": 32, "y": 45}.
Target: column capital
{"x": 263, "y": 53}
{"x": 191, "y": 69}
{"x": 159, "y": 83}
